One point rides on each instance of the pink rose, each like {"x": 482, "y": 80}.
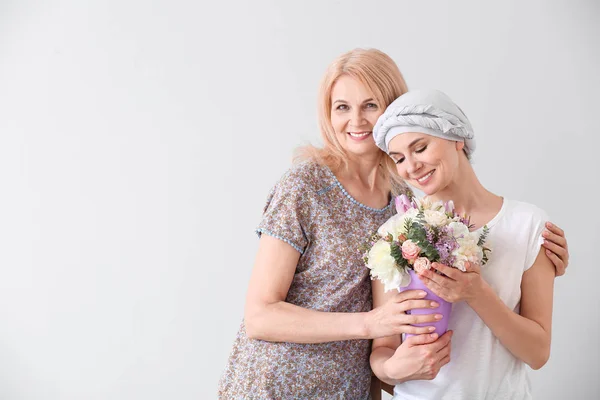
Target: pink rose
{"x": 410, "y": 250}
{"x": 421, "y": 264}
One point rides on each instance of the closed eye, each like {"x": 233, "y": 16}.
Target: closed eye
{"x": 422, "y": 149}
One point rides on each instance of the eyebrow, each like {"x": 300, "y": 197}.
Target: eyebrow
{"x": 344, "y": 101}
{"x": 409, "y": 146}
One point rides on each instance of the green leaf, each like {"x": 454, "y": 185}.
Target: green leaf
{"x": 483, "y": 236}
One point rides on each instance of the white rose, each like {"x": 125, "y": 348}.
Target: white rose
{"x": 412, "y": 213}
{"x": 438, "y": 206}
{"x": 395, "y": 225}
{"x": 424, "y": 203}
{"x": 468, "y": 251}
{"x": 390, "y": 225}
{"x": 473, "y": 236}
{"x": 435, "y": 218}
{"x": 383, "y": 267}
{"x": 458, "y": 229}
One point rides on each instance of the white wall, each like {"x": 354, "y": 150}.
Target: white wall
{"x": 139, "y": 140}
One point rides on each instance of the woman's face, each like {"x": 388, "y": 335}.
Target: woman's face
{"x": 354, "y": 112}
{"x": 425, "y": 162}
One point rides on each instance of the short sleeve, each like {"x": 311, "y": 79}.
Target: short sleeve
{"x": 538, "y": 221}
{"x": 285, "y": 216}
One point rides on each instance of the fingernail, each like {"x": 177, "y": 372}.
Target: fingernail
{"x": 438, "y": 316}
{"x": 434, "y": 304}
{"x": 549, "y": 224}
{"x": 431, "y": 328}
{"x": 548, "y": 252}
{"x": 546, "y": 234}
{"x": 422, "y": 293}
{"x": 433, "y": 335}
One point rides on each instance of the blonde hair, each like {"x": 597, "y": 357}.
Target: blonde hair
{"x": 380, "y": 74}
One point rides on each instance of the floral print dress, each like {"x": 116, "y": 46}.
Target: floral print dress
{"x": 311, "y": 211}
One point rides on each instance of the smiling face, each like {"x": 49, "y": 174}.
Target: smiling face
{"x": 426, "y": 162}
{"x": 354, "y": 113}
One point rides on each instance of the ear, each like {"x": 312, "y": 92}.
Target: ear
{"x": 460, "y": 146}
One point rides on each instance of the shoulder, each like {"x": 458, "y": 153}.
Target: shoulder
{"x": 306, "y": 177}
{"x": 522, "y": 210}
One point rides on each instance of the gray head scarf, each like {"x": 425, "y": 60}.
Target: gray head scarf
{"x": 426, "y": 111}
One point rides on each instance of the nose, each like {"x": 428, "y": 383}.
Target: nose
{"x": 414, "y": 165}
{"x": 357, "y": 118}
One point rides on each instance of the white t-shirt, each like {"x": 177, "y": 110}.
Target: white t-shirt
{"x": 481, "y": 367}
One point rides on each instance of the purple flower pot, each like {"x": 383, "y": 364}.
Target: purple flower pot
{"x": 445, "y": 307}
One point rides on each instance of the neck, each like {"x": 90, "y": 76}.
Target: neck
{"x": 364, "y": 168}
{"x": 466, "y": 192}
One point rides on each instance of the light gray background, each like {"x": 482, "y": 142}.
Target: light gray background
{"x": 139, "y": 140}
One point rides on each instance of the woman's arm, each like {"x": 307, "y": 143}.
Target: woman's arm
{"x": 269, "y": 317}
{"x": 525, "y": 335}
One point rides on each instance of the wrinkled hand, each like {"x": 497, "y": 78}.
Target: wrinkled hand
{"x": 391, "y": 319}
{"x": 419, "y": 357}
{"x": 557, "y": 248}
{"x": 454, "y": 285}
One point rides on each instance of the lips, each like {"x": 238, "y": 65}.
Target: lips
{"x": 359, "y": 135}
{"x": 425, "y": 177}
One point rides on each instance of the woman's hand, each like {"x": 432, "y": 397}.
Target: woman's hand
{"x": 454, "y": 285}
{"x": 557, "y": 248}
{"x": 390, "y": 318}
{"x": 419, "y": 357}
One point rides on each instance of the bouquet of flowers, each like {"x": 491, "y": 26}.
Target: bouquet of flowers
{"x": 422, "y": 232}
